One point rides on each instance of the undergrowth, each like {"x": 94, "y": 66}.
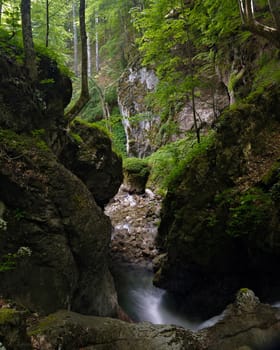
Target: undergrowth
{"x": 170, "y": 161}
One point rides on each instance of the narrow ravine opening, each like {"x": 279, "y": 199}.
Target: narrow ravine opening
{"x": 135, "y": 221}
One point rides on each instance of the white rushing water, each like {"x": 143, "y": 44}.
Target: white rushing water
{"x": 144, "y": 302}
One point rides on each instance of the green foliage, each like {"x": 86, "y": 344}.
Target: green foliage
{"x": 170, "y": 161}
{"x": 19, "y": 214}
{"x": 136, "y": 166}
{"x": 55, "y": 55}
{"x": 184, "y": 43}
{"x": 118, "y": 134}
{"x": 7, "y": 262}
{"x": 251, "y": 213}
{"x": 38, "y": 132}
{"x": 76, "y": 137}
{"x": 247, "y": 215}
{"x": 59, "y": 33}
{"x": 269, "y": 73}
{"x": 6, "y": 315}
{"x": 10, "y": 20}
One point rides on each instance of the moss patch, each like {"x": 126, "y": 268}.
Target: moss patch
{"x": 7, "y": 315}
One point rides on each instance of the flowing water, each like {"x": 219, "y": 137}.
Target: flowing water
{"x": 135, "y": 219}
{"x": 144, "y": 302}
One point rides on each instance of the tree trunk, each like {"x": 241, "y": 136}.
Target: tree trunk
{"x": 247, "y": 12}
{"x": 75, "y": 39}
{"x": 84, "y": 91}
{"x": 47, "y": 23}
{"x": 84, "y": 95}
{"x": 89, "y": 57}
{"x": 196, "y": 128}
{"x": 96, "y": 45}
{"x": 29, "y": 52}
{"x": 1, "y": 7}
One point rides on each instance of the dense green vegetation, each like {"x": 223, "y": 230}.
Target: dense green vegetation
{"x": 193, "y": 46}
{"x": 168, "y": 163}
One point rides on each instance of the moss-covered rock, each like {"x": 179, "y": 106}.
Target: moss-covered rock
{"x": 244, "y": 324}
{"x": 136, "y": 172}
{"x": 49, "y": 210}
{"x": 26, "y": 106}
{"x": 220, "y": 221}
{"x": 13, "y": 330}
{"x": 89, "y": 155}
{"x": 49, "y": 213}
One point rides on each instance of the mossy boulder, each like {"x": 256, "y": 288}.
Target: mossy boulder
{"x": 89, "y": 155}
{"x": 50, "y": 211}
{"x": 136, "y": 172}
{"x": 244, "y": 324}
{"x": 26, "y": 106}
{"x": 46, "y": 210}
{"x": 220, "y": 221}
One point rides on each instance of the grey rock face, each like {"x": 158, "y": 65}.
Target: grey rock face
{"x": 58, "y": 236}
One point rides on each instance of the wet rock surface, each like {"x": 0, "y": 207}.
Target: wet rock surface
{"x": 135, "y": 220}
{"x": 246, "y": 324}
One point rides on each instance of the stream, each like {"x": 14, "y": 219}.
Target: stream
{"x": 144, "y": 302}
{"x": 135, "y": 220}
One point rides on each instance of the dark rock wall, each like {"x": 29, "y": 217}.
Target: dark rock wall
{"x": 50, "y": 221}
{"x": 220, "y": 225}
{"x": 93, "y": 161}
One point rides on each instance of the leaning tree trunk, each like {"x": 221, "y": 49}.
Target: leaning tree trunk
{"x": 271, "y": 33}
{"x": 84, "y": 95}
{"x": 29, "y": 51}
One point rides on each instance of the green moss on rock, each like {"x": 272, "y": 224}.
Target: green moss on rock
{"x": 136, "y": 172}
{"x": 7, "y": 315}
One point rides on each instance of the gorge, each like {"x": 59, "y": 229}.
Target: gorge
{"x": 150, "y": 218}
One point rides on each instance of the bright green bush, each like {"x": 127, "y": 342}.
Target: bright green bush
{"x": 169, "y": 162}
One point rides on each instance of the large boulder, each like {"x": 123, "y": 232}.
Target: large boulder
{"x": 54, "y": 237}
{"x": 89, "y": 155}
{"x": 50, "y": 211}
{"x": 245, "y": 324}
{"x": 220, "y": 226}
{"x": 26, "y": 106}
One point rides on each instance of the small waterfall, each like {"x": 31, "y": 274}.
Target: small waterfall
{"x": 143, "y": 302}
{"x": 135, "y": 219}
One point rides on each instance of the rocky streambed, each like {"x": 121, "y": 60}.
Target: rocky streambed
{"x": 135, "y": 220}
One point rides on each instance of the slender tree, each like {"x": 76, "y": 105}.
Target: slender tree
{"x": 75, "y": 38}
{"x": 84, "y": 95}
{"x": 47, "y": 22}
{"x": 1, "y": 8}
{"x": 96, "y": 44}
{"x": 29, "y": 51}
{"x": 89, "y": 56}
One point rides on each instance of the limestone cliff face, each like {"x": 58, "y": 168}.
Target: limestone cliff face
{"x": 49, "y": 218}
{"x": 220, "y": 226}
{"x": 143, "y": 126}
{"x": 139, "y": 123}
